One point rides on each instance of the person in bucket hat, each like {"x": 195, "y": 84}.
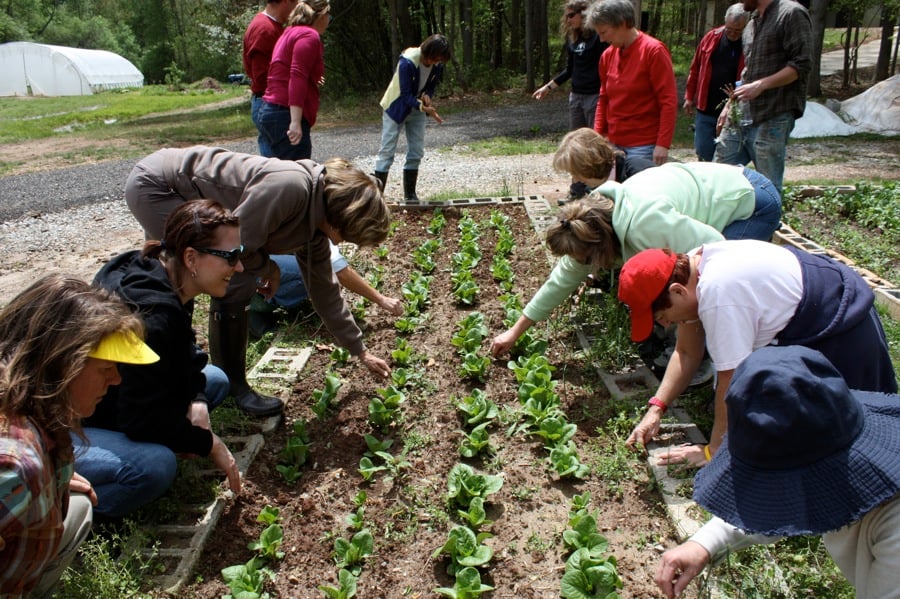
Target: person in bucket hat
{"x": 734, "y": 297}
{"x": 804, "y": 455}
{"x": 60, "y": 343}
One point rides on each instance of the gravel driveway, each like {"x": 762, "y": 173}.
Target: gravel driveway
{"x": 52, "y": 191}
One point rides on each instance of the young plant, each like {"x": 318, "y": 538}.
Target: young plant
{"x": 437, "y": 223}
{"x": 582, "y": 534}
{"x": 464, "y": 484}
{"x": 475, "y": 442}
{"x": 356, "y": 519}
{"x": 477, "y": 408}
{"x": 368, "y": 468}
{"x": 246, "y": 581}
{"x": 403, "y": 355}
{"x": 382, "y": 252}
{"x": 406, "y": 325}
{"x": 589, "y": 575}
{"x": 346, "y": 588}
{"x": 555, "y": 430}
{"x": 271, "y": 537}
{"x": 466, "y": 290}
{"x": 474, "y": 367}
{"x": 564, "y": 460}
{"x": 295, "y": 453}
{"x": 475, "y": 516}
{"x": 340, "y": 356}
{"x": 465, "y": 548}
{"x": 350, "y": 554}
{"x": 385, "y": 410}
{"x": 323, "y": 398}
{"x": 467, "y": 585}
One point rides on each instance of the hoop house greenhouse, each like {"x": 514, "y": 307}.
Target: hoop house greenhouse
{"x": 31, "y": 69}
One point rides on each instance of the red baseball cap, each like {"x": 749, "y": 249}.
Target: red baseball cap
{"x": 642, "y": 279}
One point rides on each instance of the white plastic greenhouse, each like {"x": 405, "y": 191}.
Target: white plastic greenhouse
{"x": 42, "y": 70}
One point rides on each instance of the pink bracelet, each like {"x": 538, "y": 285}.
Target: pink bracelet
{"x": 655, "y": 401}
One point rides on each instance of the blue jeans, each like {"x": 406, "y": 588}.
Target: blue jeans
{"x": 766, "y": 216}
{"x": 273, "y": 122}
{"x": 414, "y": 124}
{"x": 764, "y": 144}
{"x": 256, "y": 103}
{"x": 645, "y": 152}
{"x": 127, "y": 474}
{"x": 582, "y": 109}
{"x": 705, "y": 136}
{"x": 291, "y": 291}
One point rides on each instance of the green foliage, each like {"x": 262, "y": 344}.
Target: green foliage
{"x": 467, "y": 585}
{"x": 588, "y": 576}
{"x": 564, "y": 460}
{"x": 403, "y": 355}
{"x": 465, "y": 548}
{"x": 582, "y": 534}
{"x": 555, "y": 430}
{"x": 269, "y": 541}
{"x": 464, "y": 484}
{"x": 347, "y": 588}
{"x": 246, "y": 581}
{"x": 340, "y": 356}
{"x": 477, "y": 408}
{"x": 475, "y": 517}
{"x": 112, "y": 564}
{"x": 475, "y": 442}
{"x": 385, "y": 409}
{"x": 323, "y": 399}
{"x": 351, "y": 554}
{"x": 295, "y": 453}
{"x": 474, "y": 367}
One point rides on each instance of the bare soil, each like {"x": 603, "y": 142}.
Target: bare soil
{"x": 408, "y": 515}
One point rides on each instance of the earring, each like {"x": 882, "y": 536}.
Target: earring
{"x": 193, "y": 274}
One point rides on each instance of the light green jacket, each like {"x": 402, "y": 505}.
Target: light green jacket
{"x": 678, "y": 206}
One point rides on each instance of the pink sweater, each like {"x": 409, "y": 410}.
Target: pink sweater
{"x": 298, "y": 63}
{"x": 638, "y": 98}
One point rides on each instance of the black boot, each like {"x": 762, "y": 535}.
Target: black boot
{"x": 409, "y": 185}
{"x": 228, "y": 351}
{"x": 381, "y": 176}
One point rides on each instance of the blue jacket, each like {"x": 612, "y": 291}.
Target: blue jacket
{"x": 401, "y": 95}
{"x": 837, "y": 317}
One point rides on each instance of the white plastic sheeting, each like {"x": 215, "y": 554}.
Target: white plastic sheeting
{"x": 45, "y": 70}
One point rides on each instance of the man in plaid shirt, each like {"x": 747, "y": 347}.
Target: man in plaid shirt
{"x": 777, "y": 55}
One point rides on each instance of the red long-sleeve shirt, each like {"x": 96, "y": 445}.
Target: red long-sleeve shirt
{"x": 638, "y": 97}
{"x": 298, "y": 64}
{"x": 259, "y": 40}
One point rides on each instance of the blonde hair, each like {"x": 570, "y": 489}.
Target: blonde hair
{"x": 585, "y": 153}
{"x": 307, "y": 11}
{"x": 354, "y": 204}
{"x": 46, "y": 334}
{"x": 584, "y": 229}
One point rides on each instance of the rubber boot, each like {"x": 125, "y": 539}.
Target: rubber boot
{"x": 382, "y": 176}
{"x": 228, "y": 350}
{"x": 409, "y": 185}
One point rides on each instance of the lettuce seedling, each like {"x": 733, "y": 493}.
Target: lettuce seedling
{"x": 268, "y": 543}
{"x": 375, "y": 445}
{"x": 406, "y": 325}
{"x": 381, "y": 251}
{"x": 324, "y": 397}
{"x": 469, "y": 340}
{"x": 367, "y": 468}
{"x": 475, "y": 442}
{"x": 350, "y": 554}
{"x": 504, "y": 246}
{"x": 347, "y": 588}
{"x": 475, "y": 516}
{"x": 564, "y": 460}
{"x": 474, "y": 367}
{"x": 555, "y": 430}
{"x": 437, "y": 223}
{"x": 477, "y": 408}
{"x": 245, "y": 581}
{"x": 340, "y": 356}
{"x": 468, "y": 585}
{"x": 582, "y": 534}
{"x": 463, "y": 484}
{"x": 580, "y": 504}
{"x": 589, "y": 576}
{"x": 465, "y": 548}
{"x": 289, "y": 472}
{"x": 403, "y": 355}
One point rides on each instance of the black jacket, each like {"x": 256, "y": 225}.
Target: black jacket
{"x": 152, "y": 402}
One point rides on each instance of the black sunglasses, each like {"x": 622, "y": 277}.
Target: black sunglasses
{"x": 570, "y": 15}
{"x": 232, "y": 256}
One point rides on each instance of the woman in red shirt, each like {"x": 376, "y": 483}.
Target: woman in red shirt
{"x": 297, "y": 70}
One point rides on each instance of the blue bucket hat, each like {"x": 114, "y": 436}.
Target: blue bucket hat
{"x": 803, "y": 453}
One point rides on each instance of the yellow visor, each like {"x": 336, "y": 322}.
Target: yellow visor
{"x": 125, "y": 347}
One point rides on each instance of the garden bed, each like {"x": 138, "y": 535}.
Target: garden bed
{"x": 407, "y": 511}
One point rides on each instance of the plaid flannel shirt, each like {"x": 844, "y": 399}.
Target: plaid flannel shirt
{"x": 34, "y": 497}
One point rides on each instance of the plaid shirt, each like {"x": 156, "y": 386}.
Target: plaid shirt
{"x": 781, "y": 37}
{"x": 34, "y": 497}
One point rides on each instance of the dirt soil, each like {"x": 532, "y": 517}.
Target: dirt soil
{"x": 408, "y": 515}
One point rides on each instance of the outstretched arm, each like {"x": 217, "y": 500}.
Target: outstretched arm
{"x": 353, "y": 281}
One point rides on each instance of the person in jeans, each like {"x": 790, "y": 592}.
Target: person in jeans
{"x": 162, "y": 409}
{"x": 407, "y": 101}
{"x": 805, "y": 454}
{"x": 732, "y": 298}
{"x": 583, "y": 49}
{"x": 259, "y": 41}
{"x": 297, "y": 71}
{"x": 60, "y": 342}
{"x": 777, "y": 57}
{"x": 675, "y": 205}
{"x": 638, "y": 99}
{"x": 717, "y": 64}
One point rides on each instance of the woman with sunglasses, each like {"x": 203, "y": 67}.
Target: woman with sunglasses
{"x": 162, "y": 409}
{"x": 285, "y": 207}
{"x": 584, "y": 48}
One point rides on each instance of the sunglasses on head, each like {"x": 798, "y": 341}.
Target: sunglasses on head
{"x": 232, "y": 256}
